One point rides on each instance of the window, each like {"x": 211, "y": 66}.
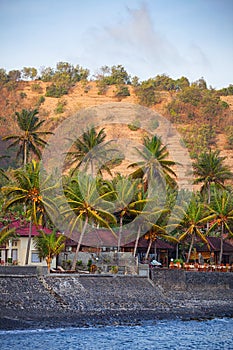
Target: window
{"x": 14, "y": 254}
{"x": 35, "y": 257}
{"x": 14, "y": 243}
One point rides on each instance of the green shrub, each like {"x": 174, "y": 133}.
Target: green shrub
{"x": 23, "y": 95}
{"x": 135, "y": 125}
{"x": 36, "y": 88}
{"x": 146, "y": 94}
{"x": 122, "y": 91}
{"x": 229, "y": 135}
{"x": 40, "y": 100}
{"x": 60, "y": 107}
{"x": 56, "y": 91}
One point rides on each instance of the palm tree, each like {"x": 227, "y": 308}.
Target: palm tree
{"x": 126, "y": 200}
{"x": 2, "y": 171}
{"x": 36, "y": 197}
{"x": 6, "y": 234}
{"x": 157, "y": 231}
{"x": 190, "y": 219}
{"x": 221, "y": 209}
{"x": 154, "y": 161}
{"x": 149, "y": 210}
{"x": 92, "y": 150}
{"x": 88, "y": 206}
{"x": 29, "y": 139}
{"x": 210, "y": 169}
{"x": 49, "y": 246}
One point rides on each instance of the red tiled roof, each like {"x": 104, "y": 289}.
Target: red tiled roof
{"x": 94, "y": 238}
{"x": 106, "y": 238}
{"x": 215, "y": 243}
{"x": 143, "y": 243}
{"x": 22, "y": 228}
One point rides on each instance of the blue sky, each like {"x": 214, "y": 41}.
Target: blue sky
{"x": 193, "y": 38}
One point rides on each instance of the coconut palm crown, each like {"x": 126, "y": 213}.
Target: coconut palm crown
{"x": 209, "y": 168}
{"x": 29, "y": 138}
{"x": 155, "y": 162}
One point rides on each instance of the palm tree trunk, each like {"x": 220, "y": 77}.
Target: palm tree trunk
{"x": 79, "y": 244}
{"x": 136, "y": 242}
{"x": 29, "y": 242}
{"x": 177, "y": 251}
{"x": 120, "y": 234}
{"x": 155, "y": 250}
{"x": 25, "y": 154}
{"x": 92, "y": 168}
{"x": 49, "y": 260}
{"x": 190, "y": 249}
{"x": 208, "y": 189}
{"x": 221, "y": 244}
{"x": 148, "y": 249}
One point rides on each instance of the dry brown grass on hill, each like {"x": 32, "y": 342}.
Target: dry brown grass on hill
{"x": 81, "y": 96}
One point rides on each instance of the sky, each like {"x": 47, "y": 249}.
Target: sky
{"x": 192, "y": 38}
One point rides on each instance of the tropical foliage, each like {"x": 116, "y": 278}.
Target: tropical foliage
{"x": 113, "y": 203}
{"x": 155, "y": 161}
{"x": 221, "y": 210}
{"x": 189, "y": 220}
{"x": 29, "y": 138}
{"x": 49, "y": 246}
{"x": 210, "y": 169}
{"x": 86, "y": 206}
{"x": 36, "y": 198}
{"x": 6, "y": 234}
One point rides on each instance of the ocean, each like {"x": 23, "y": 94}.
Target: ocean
{"x": 176, "y": 334}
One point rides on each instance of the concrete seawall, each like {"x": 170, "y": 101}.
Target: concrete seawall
{"x": 78, "y": 300}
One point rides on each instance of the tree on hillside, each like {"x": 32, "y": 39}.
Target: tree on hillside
{"x": 29, "y": 72}
{"x": 29, "y": 138}
{"x": 155, "y": 162}
{"x": 92, "y": 150}
{"x": 147, "y": 96}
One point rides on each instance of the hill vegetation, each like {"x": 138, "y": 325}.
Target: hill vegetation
{"x": 32, "y": 105}
{"x": 202, "y": 115}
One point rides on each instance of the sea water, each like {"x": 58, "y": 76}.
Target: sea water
{"x": 212, "y": 334}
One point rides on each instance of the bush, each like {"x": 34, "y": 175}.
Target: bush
{"x": 122, "y": 91}
{"x": 229, "y": 135}
{"x": 135, "y": 125}
{"x": 198, "y": 139}
{"x": 23, "y": 95}
{"x": 56, "y": 91}
{"x": 40, "y": 100}
{"x": 36, "y": 88}
{"x": 60, "y": 107}
{"x": 146, "y": 93}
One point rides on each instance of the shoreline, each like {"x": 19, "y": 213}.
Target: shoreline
{"x": 105, "y": 318}
{"x": 32, "y": 302}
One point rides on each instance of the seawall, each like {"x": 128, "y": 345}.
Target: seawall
{"x": 32, "y": 301}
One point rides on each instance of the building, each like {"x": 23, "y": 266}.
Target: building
{"x": 215, "y": 247}
{"x": 14, "y": 250}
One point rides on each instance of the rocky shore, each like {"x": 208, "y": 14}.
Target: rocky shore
{"x": 28, "y": 302}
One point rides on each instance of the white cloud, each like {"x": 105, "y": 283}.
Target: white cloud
{"x": 137, "y": 43}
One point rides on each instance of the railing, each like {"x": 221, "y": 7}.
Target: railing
{"x": 201, "y": 267}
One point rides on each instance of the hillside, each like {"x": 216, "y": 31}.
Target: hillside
{"x": 31, "y": 95}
